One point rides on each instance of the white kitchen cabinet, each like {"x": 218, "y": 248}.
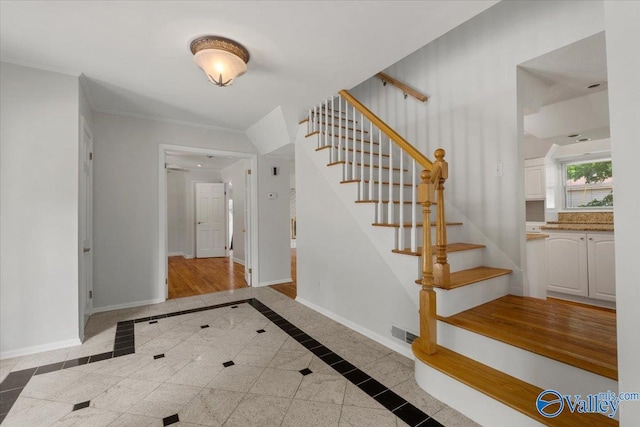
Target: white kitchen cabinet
{"x": 602, "y": 271}
{"x": 534, "y": 179}
{"x": 567, "y": 255}
{"x": 582, "y": 264}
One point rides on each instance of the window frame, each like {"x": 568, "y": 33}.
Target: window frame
{"x": 565, "y": 187}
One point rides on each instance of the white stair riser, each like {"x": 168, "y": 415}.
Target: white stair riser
{"x": 468, "y": 401}
{"x": 527, "y": 366}
{"x": 463, "y": 298}
{"x": 464, "y": 260}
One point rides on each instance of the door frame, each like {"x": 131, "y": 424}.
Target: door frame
{"x": 85, "y": 214}
{"x": 163, "y": 244}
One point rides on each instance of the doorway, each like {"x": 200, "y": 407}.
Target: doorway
{"x": 207, "y": 240}
{"x": 85, "y": 236}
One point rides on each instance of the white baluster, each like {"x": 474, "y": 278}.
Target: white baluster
{"x": 362, "y": 157}
{"x": 390, "y": 215}
{"x": 309, "y": 124}
{"x": 371, "y": 161}
{"x": 414, "y": 214}
{"x": 340, "y": 129}
{"x": 319, "y": 125}
{"x": 401, "y": 205}
{"x": 326, "y": 123}
{"x": 315, "y": 117}
{"x": 333, "y": 132}
{"x": 380, "y": 211}
{"x": 354, "y": 164}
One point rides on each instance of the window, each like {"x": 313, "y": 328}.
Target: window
{"x": 588, "y": 184}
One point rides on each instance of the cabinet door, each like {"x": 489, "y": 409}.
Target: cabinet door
{"x": 567, "y": 260}
{"x": 602, "y": 272}
{"x": 534, "y": 183}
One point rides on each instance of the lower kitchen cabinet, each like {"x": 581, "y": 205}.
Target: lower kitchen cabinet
{"x": 582, "y": 264}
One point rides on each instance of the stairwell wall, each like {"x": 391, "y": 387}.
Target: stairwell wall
{"x": 470, "y": 75}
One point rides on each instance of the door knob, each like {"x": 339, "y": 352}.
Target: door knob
{"x": 85, "y": 250}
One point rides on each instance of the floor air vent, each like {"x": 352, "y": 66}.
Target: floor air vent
{"x": 402, "y": 335}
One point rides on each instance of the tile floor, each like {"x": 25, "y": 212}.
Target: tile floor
{"x": 257, "y": 359}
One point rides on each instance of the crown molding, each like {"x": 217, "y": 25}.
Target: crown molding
{"x": 40, "y": 67}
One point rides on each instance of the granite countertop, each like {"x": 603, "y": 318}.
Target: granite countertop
{"x": 536, "y": 236}
{"x": 581, "y": 221}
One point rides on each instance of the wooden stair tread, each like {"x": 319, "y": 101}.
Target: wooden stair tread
{"x": 579, "y": 336}
{"x": 408, "y": 224}
{"x": 472, "y": 275}
{"x": 451, "y": 247}
{"x": 504, "y": 388}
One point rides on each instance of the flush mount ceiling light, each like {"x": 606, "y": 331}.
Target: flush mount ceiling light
{"x": 221, "y": 59}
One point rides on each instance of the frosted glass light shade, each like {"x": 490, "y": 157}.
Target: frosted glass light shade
{"x": 220, "y": 67}
{"x": 221, "y": 59}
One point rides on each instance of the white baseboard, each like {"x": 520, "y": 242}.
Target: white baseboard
{"x": 127, "y": 305}
{"x": 175, "y": 254}
{"x": 380, "y": 339}
{"x": 275, "y": 282}
{"x": 238, "y": 260}
{"x": 188, "y": 256}
{"x": 40, "y": 348}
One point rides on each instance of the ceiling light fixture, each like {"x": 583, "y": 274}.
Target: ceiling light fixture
{"x": 221, "y": 59}
{"x": 199, "y": 165}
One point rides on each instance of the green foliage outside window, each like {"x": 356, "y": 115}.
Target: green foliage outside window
{"x": 593, "y": 173}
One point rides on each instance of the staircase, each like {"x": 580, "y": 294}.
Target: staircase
{"x": 403, "y": 191}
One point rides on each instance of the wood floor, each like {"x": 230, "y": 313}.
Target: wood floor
{"x": 578, "y": 335}
{"x": 197, "y": 276}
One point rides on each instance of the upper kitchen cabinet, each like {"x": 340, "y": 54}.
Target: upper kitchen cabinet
{"x": 534, "y": 179}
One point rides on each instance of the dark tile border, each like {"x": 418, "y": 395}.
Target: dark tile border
{"x": 124, "y": 344}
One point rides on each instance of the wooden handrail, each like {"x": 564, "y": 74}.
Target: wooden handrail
{"x": 395, "y": 137}
{"x": 405, "y": 89}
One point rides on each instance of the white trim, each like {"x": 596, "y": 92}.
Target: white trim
{"x": 188, "y": 256}
{"x": 380, "y": 339}
{"x": 127, "y": 305}
{"x": 40, "y": 348}
{"x": 275, "y": 282}
{"x": 238, "y": 260}
{"x": 176, "y": 254}
{"x": 163, "y": 247}
{"x": 165, "y": 120}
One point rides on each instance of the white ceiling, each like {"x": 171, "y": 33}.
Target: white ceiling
{"x": 190, "y": 161}
{"x": 136, "y": 59}
{"x": 569, "y": 71}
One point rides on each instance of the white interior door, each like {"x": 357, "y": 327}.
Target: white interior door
{"x": 85, "y": 285}
{"x": 247, "y": 228}
{"x": 210, "y": 220}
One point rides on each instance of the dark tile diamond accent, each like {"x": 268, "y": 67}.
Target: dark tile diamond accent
{"x": 204, "y": 326}
{"x": 172, "y": 419}
{"x": 306, "y": 371}
{"x": 153, "y": 321}
{"x": 227, "y": 364}
{"x": 158, "y": 356}
{"x": 411, "y": 415}
{"x": 49, "y": 368}
{"x": 81, "y": 405}
{"x": 261, "y": 331}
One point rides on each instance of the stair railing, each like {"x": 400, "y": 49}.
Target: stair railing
{"x": 349, "y": 132}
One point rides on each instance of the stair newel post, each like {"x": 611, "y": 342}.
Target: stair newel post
{"x": 442, "y": 269}
{"x": 428, "y": 338}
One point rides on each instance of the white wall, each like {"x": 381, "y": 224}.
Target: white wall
{"x": 176, "y": 212}
{"x": 533, "y": 147}
{"x": 39, "y": 210}
{"x": 470, "y": 75}
{"x": 235, "y": 174}
{"x": 623, "y": 67}
{"x": 126, "y": 201}
{"x": 273, "y": 222}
